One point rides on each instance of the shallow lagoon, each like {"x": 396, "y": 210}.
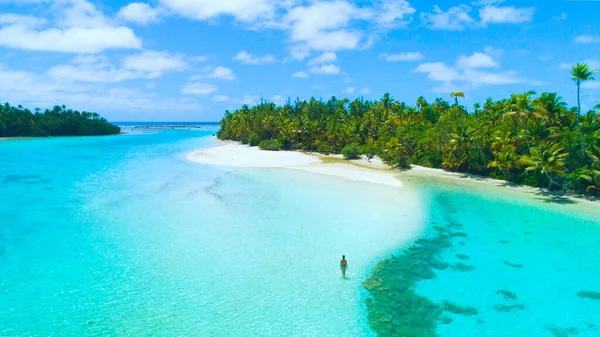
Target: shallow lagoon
{"x": 121, "y": 235}
{"x": 497, "y": 262}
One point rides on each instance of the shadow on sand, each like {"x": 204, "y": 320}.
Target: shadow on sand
{"x": 555, "y": 198}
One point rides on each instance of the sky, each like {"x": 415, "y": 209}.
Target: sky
{"x": 190, "y": 60}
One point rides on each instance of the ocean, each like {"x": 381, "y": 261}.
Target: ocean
{"x": 121, "y": 235}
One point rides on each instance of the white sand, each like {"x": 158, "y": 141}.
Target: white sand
{"x": 238, "y": 155}
{"x": 233, "y": 154}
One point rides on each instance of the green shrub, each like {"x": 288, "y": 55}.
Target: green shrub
{"x": 323, "y": 148}
{"x": 269, "y": 145}
{"x": 396, "y": 160}
{"x": 351, "y": 151}
{"x": 370, "y": 151}
{"x": 254, "y": 139}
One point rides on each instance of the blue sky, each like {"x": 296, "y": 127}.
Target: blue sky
{"x": 189, "y": 60}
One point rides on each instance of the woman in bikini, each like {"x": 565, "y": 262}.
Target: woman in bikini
{"x": 343, "y": 265}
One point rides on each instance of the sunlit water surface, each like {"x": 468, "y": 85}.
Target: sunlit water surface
{"x": 121, "y": 235}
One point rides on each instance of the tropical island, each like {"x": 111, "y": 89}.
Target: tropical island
{"x": 16, "y": 121}
{"x": 527, "y": 139}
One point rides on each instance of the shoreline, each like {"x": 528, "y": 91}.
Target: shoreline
{"x": 234, "y": 154}
{"x": 4, "y": 139}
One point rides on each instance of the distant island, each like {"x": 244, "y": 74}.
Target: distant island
{"x": 524, "y": 139}
{"x": 173, "y": 127}
{"x": 60, "y": 121}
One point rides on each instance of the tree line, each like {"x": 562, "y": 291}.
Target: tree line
{"x": 60, "y": 121}
{"x": 526, "y": 138}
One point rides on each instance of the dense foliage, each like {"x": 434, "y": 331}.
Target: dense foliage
{"x": 269, "y": 145}
{"x": 527, "y": 138}
{"x": 60, "y": 121}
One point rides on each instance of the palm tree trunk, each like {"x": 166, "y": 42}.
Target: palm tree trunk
{"x": 524, "y": 122}
{"x": 456, "y": 100}
{"x": 579, "y": 123}
{"x": 550, "y": 178}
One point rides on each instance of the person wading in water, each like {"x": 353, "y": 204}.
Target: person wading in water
{"x": 343, "y": 265}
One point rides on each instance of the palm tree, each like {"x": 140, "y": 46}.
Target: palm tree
{"x": 580, "y": 73}
{"x": 519, "y": 109}
{"x": 459, "y": 147}
{"x": 456, "y": 95}
{"x": 547, "y": 158}
{"x": 550, "y": 107}
{"x": 505, "y": 160}
{"x": 421, "y": 103}
{"x": 592, "y": 174}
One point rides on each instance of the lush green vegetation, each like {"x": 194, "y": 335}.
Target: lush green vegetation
{"x": 60, "y": 121}
{"x": 526, "y": 138}
{"x": 269, "y": 145}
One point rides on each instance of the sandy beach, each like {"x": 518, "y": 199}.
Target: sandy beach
{"x": 237, "y": 155}
{"x": 234, "y": 154}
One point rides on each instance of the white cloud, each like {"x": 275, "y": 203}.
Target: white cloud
{"x": 312, "y": 25}
{"x": 25, "y": 20}
{"x": 155, "y": 62}
{"x": 465, "y": 73}
{"x": 459, "y": 18}
{"x": 300, "y": 74}
{"x": 439, "y": 72}
{"x": 394, "y": 13}
{"x": 485, "y": 78}
{"x": 325, "y": 69}
{"x": 456, "y": 18}
{"x": 79, "y": 13}
{"x": 585, "y": 38}
{"x": 138, "y": 12}
{"x": 222, "y": 73}
{"x": 197, "y": 88}
{"x": 326, "y": 25}
{"x": 220, "y": 98}
{"x": 300, "y": 52}
{"x": 91, "y": 73}
{"x": 241, "y": 10}
{"x": 97, "y": 68}
{"x": 365, "y": 91}
{"x": 79, "y": 28}
{"x": 322, "y": 25}
{"x": 327, "y": 57}
{"x": 507, "y": 14}
{"x": 73, "y": 40}
{"x": 349, "y": 90}
{"x": 409, "y": 56}
{"x": 44, "y": 91}
{"x": 477, "y": 60}
{"x": 247, "y": 58}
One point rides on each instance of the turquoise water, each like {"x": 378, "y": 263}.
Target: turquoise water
{"x": 121, "y": 235}
{"x": 540, "y": 253}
